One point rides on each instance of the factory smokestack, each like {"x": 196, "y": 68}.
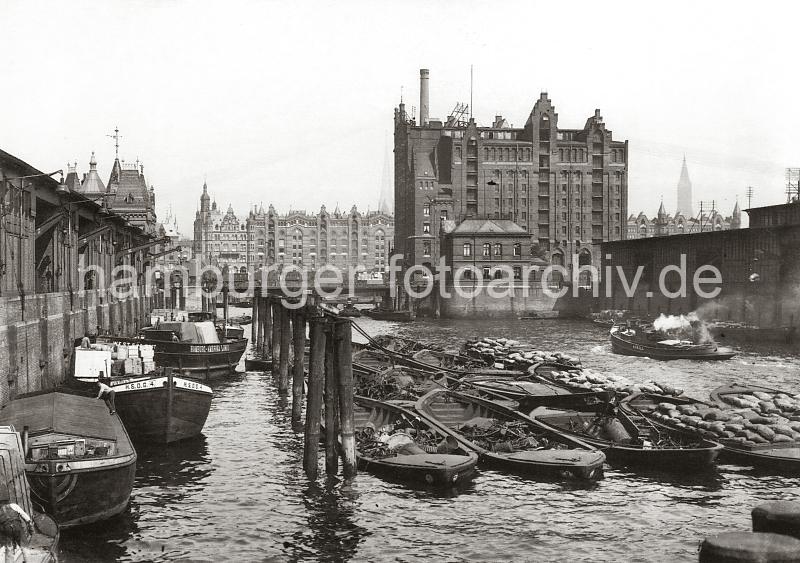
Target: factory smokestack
{"x": 423, "y": 96}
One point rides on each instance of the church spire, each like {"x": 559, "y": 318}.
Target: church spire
{"x": 385, "y": 201}
{"x": 736, "y": 217}
{"x": 685, "y": 192}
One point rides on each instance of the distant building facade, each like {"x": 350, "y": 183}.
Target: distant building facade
{"x": 567, "y": 189}
{"x": 126, "y": 193}
{"x": 309, "y": 241}
{"x": 663, "y": 224}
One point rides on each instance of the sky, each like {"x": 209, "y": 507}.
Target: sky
{"x": 291, "y": 103}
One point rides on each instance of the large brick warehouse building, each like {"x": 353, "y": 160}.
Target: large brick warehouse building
{"x": 567, "y": 189}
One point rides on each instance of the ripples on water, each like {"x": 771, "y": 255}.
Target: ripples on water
{"x": 238, "y": 493}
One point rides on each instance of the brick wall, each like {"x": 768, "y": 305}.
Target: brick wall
{"x": 37, "y": 332}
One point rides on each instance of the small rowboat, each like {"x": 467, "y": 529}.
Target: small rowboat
{"x": 507, "y": 439}
{"x": 784, "y": 457}
{"x": 389, "y": 315}
{"x": 427, "y": 456}
{"x": 634, "y": 342}
{"x": 257, "y": 364}
{"x": 508, "y": 387}
{"x": 632, "y": 441}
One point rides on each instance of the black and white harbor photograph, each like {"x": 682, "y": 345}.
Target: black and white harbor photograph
{"x": 459, "y": 281}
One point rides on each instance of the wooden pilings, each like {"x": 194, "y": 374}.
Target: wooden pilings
{"x": 344, "y": 375}
{"x": 266, "y": 335}
{"x": 283, "y": 357}
{"x": 298, "y": 373}
{"x": 331, "y": 405}
{"x": 275, "y": 339}
{"x": 281, "y": 329}
{"x": 316, "y": 374}
{"x": 256, "y": 326}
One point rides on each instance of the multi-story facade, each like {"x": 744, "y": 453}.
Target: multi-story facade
{"x": 307, "y": 240}
{"x": 566, "y": 188}
{"x": 663, "y": 224}
{"x": 220, "y": 238}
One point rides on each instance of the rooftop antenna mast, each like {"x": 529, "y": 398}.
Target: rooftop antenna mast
{"x": 749, "y": 194}
{"x": 792, "y": 185}
{"x": 116, "y": 136}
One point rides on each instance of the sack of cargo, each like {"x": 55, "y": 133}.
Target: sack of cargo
{"x": 717, "y": 428}
{"x": 765, "y": 431}
{"x": 615, "y": 431}
{"x": 664, "y": 407}
{"x": 761, "y": 420}
{"x": 781, "y": 438}
{"x": 715, "y": 414}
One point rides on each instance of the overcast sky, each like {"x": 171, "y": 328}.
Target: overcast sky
{"x": 292, "y": 103}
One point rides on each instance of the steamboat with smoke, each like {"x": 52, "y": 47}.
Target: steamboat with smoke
{"x": 683, "y": 337}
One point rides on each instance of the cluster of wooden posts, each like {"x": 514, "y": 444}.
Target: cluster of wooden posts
{"x": 279, "y": 333}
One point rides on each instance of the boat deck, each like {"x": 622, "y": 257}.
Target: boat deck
{"x": 68, "y": 414}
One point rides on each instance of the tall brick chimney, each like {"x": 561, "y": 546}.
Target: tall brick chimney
{"x": 424, "y": 103}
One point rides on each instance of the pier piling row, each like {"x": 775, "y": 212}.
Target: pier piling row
{"x": 279, "y": 333}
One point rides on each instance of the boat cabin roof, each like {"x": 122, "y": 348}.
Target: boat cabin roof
{"x": 197, "y": 333}
{"x": 63, "y": 414}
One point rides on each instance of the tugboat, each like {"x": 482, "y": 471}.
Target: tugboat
{"x": 637, "y": 339}
{"x": 79, "y": 460}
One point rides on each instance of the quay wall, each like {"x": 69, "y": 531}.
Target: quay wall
{"x": 37, "y": 333}
{"x": 513, "y": 303}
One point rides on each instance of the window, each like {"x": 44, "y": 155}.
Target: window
{"x": 468, "y": 274}
{"x": 426, "y": 248}
{"x": 517, "y": 249}
{"x": 426, "y": 227}
{"x": 487, "y": 249}
{"x": 517, "y": 273}
{"x": 486, "y": 273}
{"x": 498, "y": 274}
{"x": 467, "y": 249}
{"x": 443, "y": 214}
{"x": 426, "y": 210}
{"x": 498, "y": 249}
